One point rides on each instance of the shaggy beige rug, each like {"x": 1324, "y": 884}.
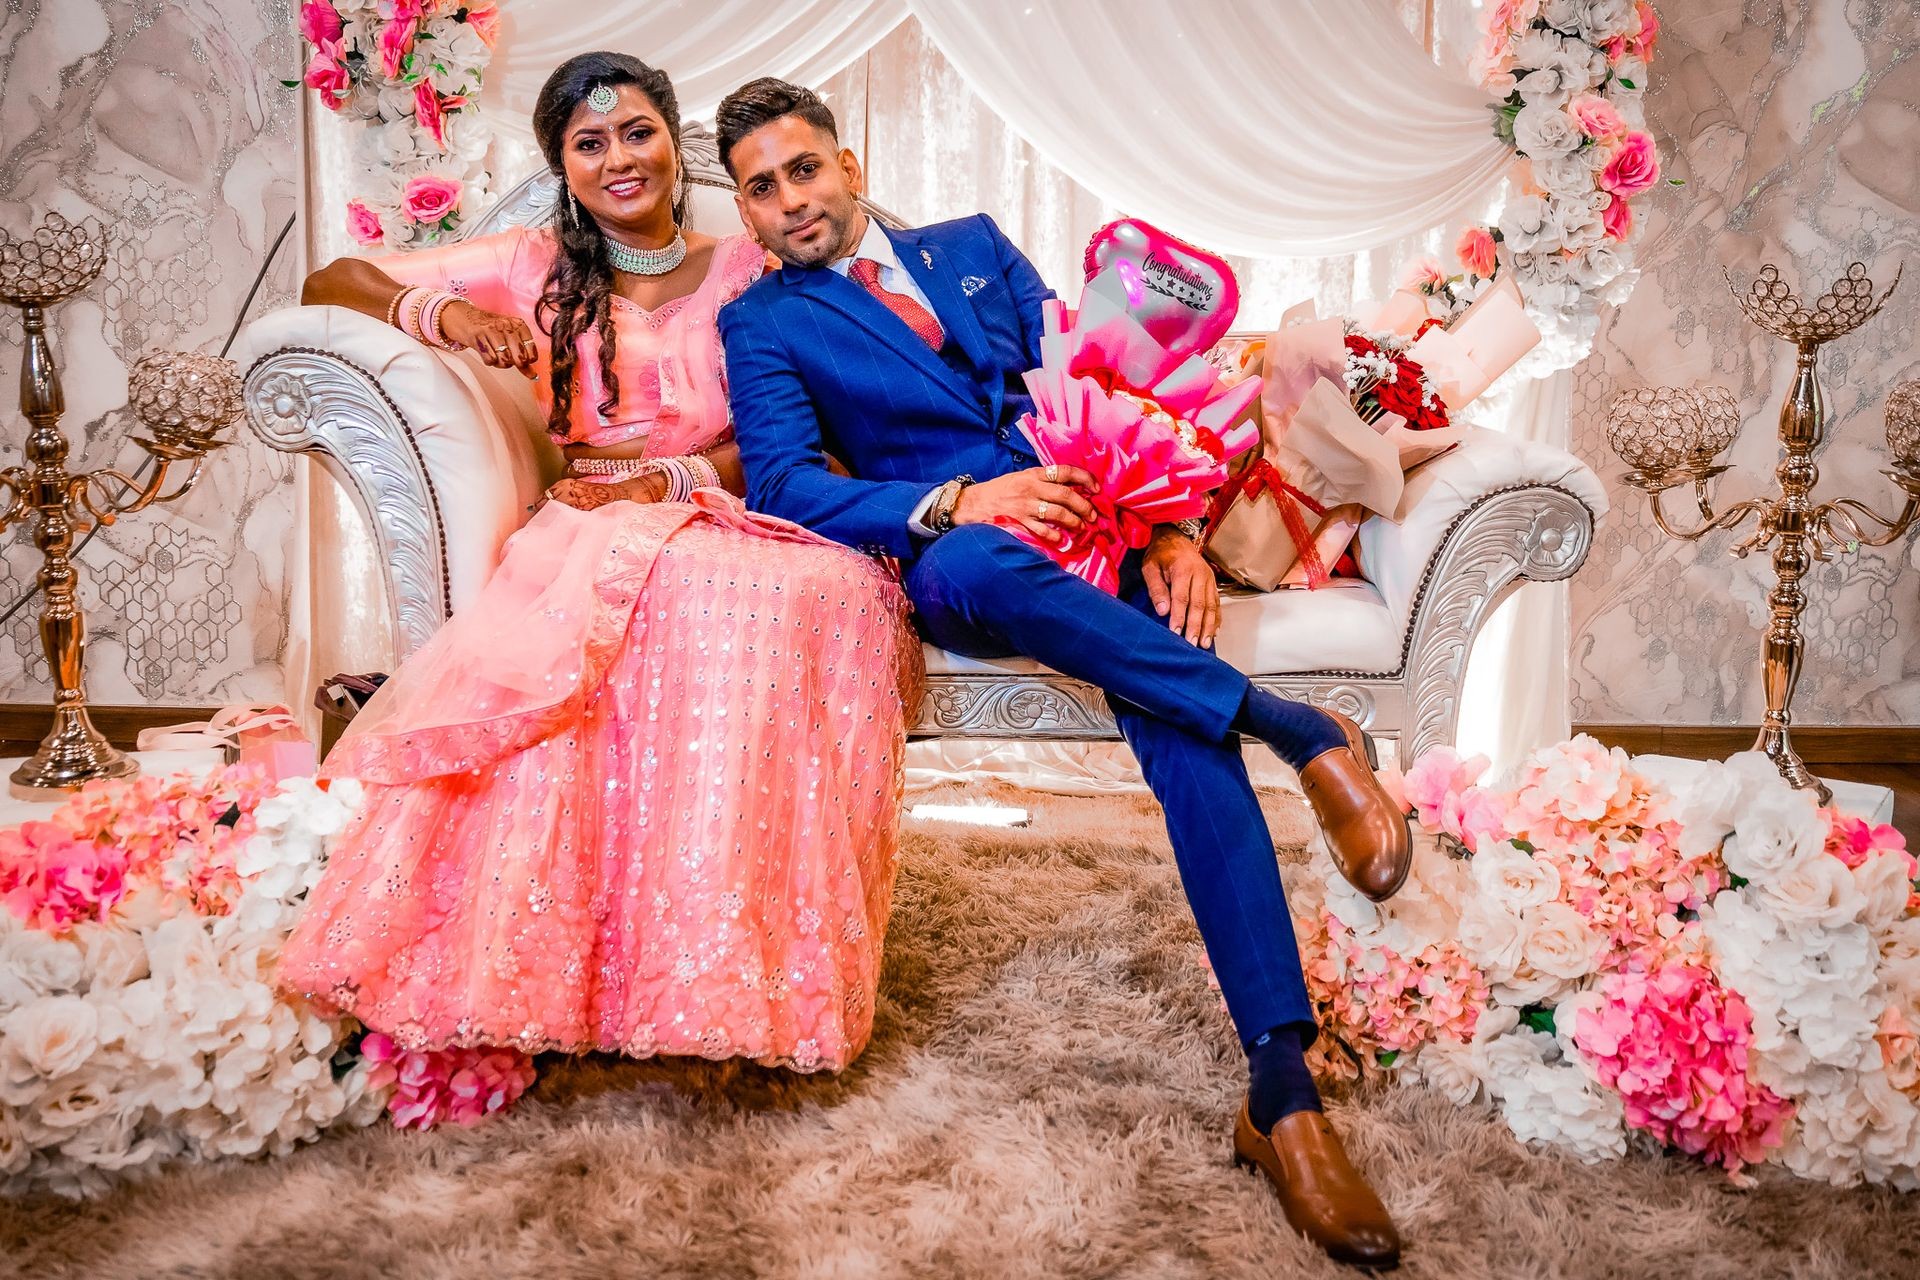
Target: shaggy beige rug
{"x": 1048, "y": 1095}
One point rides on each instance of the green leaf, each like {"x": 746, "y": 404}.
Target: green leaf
{"x": 1625, "y": 83}
{"x": 1737, "y": 882}
{"x": 1524, "y": 846}
{"x": 291, "y": 84}
{"x": 1388, "y": 1058}
{"x": 1537, "y": 1018}
{"x": 1676, "y": 182}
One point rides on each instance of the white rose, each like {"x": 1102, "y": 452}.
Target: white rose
{"x": 1629, "y": 79}
{"x": 50, "y": 1037}
{"x": 1541, "y": 129}
{"x": 1510, "y": 878}
{"x": 37, "y": 964}
{"x": 1603, "y": 20}
{"x": 1559, "y": 943}
{"x": 1883, "y": 882}
{"x": 72, "y": 1104}
{"x": 16, "y": 1153}
{"x": 1562, "y": 15}
{"x": 1504, "y": 1059}
{"x": 1596, "y": 267}
{"x": 1450, "y": 1069}
{"x": 1576, "y": 227}
{"x": 115, "y": 956}
{"x": 1567, "y": 176}
{"x": 1527, "y": 985}
{"x": 1777, "y": 830}
{"x": 1525, "y": 224}
{"x": 1493, "y": 939}
{"x": 393, "y": 142}
{"x": 1536, "y": 48}
{"x": 1818, "y": 893}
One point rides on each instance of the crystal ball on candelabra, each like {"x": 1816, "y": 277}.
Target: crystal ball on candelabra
{"x": 57, "y": 261}
{"x": 1903, "y": 427}
{"x": 184, "y": 400}
{"x": 1671, "y": 435}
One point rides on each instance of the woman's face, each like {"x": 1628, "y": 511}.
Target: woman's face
{"x": 621, "y": 165}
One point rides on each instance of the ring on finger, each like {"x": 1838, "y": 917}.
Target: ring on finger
{"x": 1041, "y": 512}
{"x": 1053, "y": 473}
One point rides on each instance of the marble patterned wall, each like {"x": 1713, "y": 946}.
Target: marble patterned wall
{"x": 167, "y": 120}
{"x": 1795, "y": 127}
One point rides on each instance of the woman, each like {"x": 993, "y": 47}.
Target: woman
{"x": 642, "y": 795}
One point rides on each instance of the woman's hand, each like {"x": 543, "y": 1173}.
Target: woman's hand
{"x": 504, "y": 342}
{"x": 1049, "y": 502}
{"x": 586, "y": 495}
{"x": 1182, "y": 585}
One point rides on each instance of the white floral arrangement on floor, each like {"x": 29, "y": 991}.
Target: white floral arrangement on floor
{"x": 1620, "y": 953}
{"x": 1570, "y": 75}
{"x": 141, "y": 927}
{"x": 411, "y": 71}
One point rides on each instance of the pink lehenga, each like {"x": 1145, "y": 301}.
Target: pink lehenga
{"x": 641, "y": 796}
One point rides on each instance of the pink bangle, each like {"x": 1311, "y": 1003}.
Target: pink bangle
{"x": 430, "y": 321}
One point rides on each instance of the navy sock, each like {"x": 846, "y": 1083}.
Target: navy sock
{"x": 1279, "y": 1082}
{"x": 1296, "y": 731}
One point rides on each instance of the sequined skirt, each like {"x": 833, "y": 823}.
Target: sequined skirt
{"x": 642, "y": 797}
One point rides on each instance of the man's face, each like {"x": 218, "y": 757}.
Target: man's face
{"x": 798, "y": 196}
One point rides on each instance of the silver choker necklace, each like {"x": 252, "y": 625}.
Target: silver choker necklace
{"x": 647, "y": 262}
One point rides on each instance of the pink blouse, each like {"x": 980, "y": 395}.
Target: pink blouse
{"x": 673, "y": 383}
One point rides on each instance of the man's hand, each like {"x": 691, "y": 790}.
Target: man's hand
{"x": 1049, "y": 502}
{"x": 1182, "y": 585}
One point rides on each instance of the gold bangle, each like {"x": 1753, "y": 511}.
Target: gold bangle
{"x": 393, "y": 308}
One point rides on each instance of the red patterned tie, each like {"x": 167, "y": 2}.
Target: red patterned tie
{"x": 918, "y": 318}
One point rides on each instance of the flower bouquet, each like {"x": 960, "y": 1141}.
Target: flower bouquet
{"x": 1616, "y": 953}
{"x": 1124, "y": 392}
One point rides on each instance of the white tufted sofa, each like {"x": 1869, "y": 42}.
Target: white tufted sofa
{"x": 444, "y": 456}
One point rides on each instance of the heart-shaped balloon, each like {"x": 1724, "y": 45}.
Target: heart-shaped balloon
{"x": 1185, "y": 298}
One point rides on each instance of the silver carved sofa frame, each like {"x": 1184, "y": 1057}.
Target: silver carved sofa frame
{"x": 308, "y": 399}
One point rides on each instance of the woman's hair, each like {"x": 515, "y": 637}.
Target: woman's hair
{"x": 579, "y": 288}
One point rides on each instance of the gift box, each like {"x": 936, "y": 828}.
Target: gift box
{"x": 1483, "y": 342}
{"x": 261, "y": 734}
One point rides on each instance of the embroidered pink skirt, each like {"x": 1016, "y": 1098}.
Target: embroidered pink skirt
{"x": 642, "y": 797}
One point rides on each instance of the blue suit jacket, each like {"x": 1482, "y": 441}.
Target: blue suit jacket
{"x": 816, "y": 365}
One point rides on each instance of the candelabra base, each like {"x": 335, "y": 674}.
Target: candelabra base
{"x": 74, "y": 754}
{"x": 1778, "y": 746}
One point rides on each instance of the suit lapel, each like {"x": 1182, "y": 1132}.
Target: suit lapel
{"x": 928, "y": 266}
{"x": 854, "y": 302}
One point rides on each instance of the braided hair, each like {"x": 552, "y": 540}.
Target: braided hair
{"x": 578, "y": 293}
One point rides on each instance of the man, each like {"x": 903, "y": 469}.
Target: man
{"x": 901, "y": 354}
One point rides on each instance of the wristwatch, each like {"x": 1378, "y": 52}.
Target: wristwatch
{"x": 945, "y": 499}
{"x": 1195, "y": 528}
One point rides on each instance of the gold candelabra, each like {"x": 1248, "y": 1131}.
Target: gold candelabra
{"x": 1670, "y": 437}
{"x": 182, "y": 399}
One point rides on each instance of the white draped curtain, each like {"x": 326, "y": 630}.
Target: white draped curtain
{"x": 1321, "y": 144}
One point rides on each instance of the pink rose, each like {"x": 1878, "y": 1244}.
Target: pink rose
{"x": 1423, "y": 275}
{"x": 427, "y": 110}
{"x": 1596, "y": 116}
{"x": 396, "y": 42}
{"x": 1617, "y": 218}
{"x": 363, "y": 224}
{"x": 1640, "y": 43}
{"x": 485, "y": 21}
{"x": 1634, "y": 167}
{"x": 1477, "y": 252}
{"x": 328, "y": 76}
{"x": 319, "y": 23}
{"x": 430, "y": 198}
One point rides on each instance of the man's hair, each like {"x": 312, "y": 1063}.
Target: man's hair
{"x": 761, "y": 102}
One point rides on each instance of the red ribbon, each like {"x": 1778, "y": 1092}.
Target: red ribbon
{"x": 1265, "y": 478}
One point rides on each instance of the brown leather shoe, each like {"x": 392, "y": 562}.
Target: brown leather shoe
{"x": 1324, "y": 1196}
{"x": 1366, "y": 834}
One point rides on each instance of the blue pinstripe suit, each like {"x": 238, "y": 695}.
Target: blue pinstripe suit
{"x": 816, "y": 366}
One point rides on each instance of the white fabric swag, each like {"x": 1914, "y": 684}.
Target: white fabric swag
{"x": 1252, "y": 128}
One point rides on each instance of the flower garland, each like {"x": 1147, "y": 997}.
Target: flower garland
{"x": 1612, "y": 952}
{"x": 411, "y": 71}
{"x": 140, "y": 927}
{"x": 1570, "y": 75}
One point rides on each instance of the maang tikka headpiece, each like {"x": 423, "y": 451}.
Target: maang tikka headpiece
{"x": 603, "y": 99}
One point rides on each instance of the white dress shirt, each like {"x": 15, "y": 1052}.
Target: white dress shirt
{"x": 894, "y": 278}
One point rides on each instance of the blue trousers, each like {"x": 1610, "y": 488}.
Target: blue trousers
{"x": 981, "y": 592}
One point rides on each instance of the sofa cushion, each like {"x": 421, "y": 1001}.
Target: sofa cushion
{"x": 1345, "y": 626}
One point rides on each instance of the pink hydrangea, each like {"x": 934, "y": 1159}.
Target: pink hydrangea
{"x": 1477, "y": 251}
{"x": 1854, "y": 841}
{"x": 1379, "y": 1002}
{"x": 1635, "y": 166}
{"x": 54, "y": 881}
{"x": 1675, "y": 1045}
{"x": 1440, "y": 791}
{"x": 438, "y": 1086}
